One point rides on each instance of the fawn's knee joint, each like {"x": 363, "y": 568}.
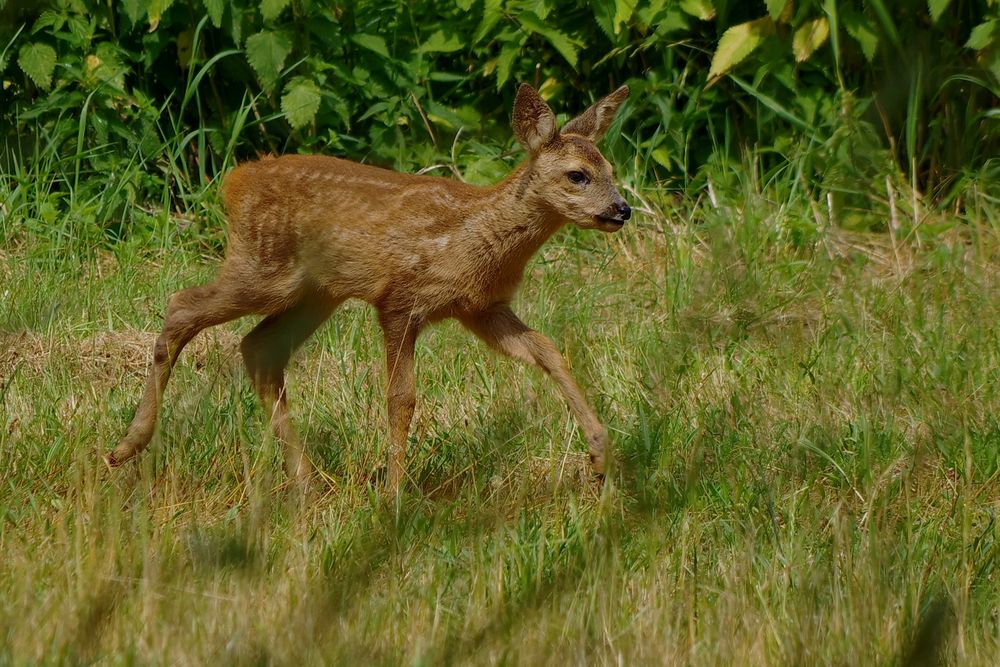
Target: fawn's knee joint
{"x": 161, "y": 352}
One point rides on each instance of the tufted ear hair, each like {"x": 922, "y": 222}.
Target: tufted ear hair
{"x": 596, "y": 120}
{"x": 534, "y": 123}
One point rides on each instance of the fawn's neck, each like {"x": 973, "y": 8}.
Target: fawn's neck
{"x": 516, "y": 222}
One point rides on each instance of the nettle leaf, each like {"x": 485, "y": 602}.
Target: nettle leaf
{"x": 215, "y": 8}
{"x": 737, "y": 43}
{"x": 563, "y": 43}
{"x": 492, "y": 12}
{"x": 982, "y": 35}
{"x": 936, "y": 8}
{"x": 702, "y": 9}
{"x": 863, "y": 31}
{"x": 372, "y": 43}
{"x": 775, "y": 7}
{"x": 300, "y": 103}
{"x": 810, "y": 37}
{"x": 271, "y": 9}
{"x": 438, "y": 43}
{"x": 509, "y": 51}
{"x": 38, "y": 61}
{"x": 604, "y": 17}
{"x": 266, "y": 53}
{"x": 49, "y": 19}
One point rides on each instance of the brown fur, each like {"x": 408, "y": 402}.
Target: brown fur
{"x": 308, "y": 232}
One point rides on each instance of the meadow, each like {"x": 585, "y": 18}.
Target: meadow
{"x": 806, "y": 434}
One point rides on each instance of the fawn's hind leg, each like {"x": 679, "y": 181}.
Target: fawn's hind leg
{"x": 266, "y": 352}
{"x": 188, "y": 312}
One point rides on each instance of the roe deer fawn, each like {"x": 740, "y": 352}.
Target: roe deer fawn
{"x": 308, "y": 232}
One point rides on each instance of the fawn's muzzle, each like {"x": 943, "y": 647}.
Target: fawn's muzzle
{"x": 617, "y": 214}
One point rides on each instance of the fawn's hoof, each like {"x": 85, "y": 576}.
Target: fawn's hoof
{"x": 597, "y": 465}
{"x": 114, "y": 459}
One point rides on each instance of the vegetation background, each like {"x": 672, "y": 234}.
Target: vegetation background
{"x": 795, "y": 345}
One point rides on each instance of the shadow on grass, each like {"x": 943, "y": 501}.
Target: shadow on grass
{"x": 929, "y": 643}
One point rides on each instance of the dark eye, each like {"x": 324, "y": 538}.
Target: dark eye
{"x": 577, "y": 177}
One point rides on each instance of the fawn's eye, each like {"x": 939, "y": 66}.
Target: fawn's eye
{"x": 577, "y": 177}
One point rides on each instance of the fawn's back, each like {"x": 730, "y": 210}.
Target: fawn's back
{"x": 357, "y": 231}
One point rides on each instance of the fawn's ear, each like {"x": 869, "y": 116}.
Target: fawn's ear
{"x": 596, "y": 120}
{"x": 534, "y": 122}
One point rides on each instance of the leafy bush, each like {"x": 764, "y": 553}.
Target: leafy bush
{"x": 165, "y": 93}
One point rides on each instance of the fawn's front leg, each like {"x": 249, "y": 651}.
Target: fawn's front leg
{"x": 400, "y": 333}
{"x": 502, "y": 330}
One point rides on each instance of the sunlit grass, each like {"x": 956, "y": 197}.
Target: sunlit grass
{"x": 805, "y": 422}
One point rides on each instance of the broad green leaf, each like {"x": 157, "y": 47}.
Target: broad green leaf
{"x": 300, "y": 103}
{"x": 604, "y": 17}
{"x": 566, "y": 46}
{"x": 863, "y": 31}
{"x": 465, "y": 5}
{"x": 266, "y": 52}
{"x": 702, "y": 9}
{"x": 509, "y": 51}
{"x": 492, "y": 12}
{"x": 134, "y": 10}
{"x": 156, "y": 9}
{"x": 38, "y": 61}
{"x": 49, "y": 19}
{"x": 662, "y": 157}
{"x": 438, "y": 43}
{"x": 737, "y": 43}
{"x": 215, "y": 9}
{"x": 809, "y": 37}
{"x": 271, "y": 9}
{"x": 236, "y": 14}
{"x": 340, "y": 106}
{"x": 540, "y": 8}
{"x": 775, "y": 7}
{"x": 982, "y": 35}
{"x": 623, "y": 12}
{"x": 372, "y": 43}
{"x": 936, "y": 8}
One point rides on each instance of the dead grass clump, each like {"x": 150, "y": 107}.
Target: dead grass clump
{"x": 104, "y": 354}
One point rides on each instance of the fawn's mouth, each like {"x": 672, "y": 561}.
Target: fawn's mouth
{"x": 608, "y": 223}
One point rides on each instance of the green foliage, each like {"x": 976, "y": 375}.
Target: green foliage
{"x": 266, "y": 53}
{"x": 737, "y": 43}
{"x": 301, "y": 102}
{"x": 38, "y": 61}
{"x": 184, "y": 89}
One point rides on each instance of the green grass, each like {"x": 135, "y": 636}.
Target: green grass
{"x": 805, "y": 419}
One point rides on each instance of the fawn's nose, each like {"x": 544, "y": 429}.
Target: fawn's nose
{"x": 623, "y": 210}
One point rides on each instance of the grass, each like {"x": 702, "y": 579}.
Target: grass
{"x": 805, "y": 420}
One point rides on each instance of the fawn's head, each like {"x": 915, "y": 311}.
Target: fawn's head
{"x": 566, "y": 169}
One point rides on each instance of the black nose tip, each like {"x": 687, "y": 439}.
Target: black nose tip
{"x": 624, "y": 211}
